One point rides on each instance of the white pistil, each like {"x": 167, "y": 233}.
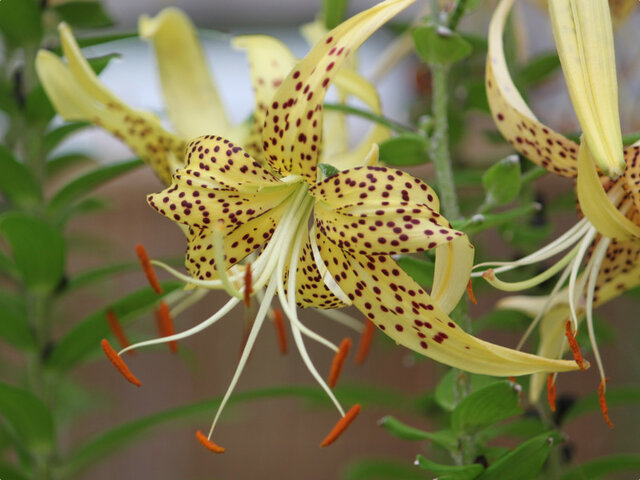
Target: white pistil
{"x": 326, "y": 276}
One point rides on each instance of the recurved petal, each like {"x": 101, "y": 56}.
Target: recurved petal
{"x": 620, "y": 271}
{"x": 454, "y": 261}
{"x": 192, "y": 100}
{"x": 632, "y": 172}
{"x": 293, "y": 127}
{"x": 515, "y": 121}
{"x": 407, "y": 314}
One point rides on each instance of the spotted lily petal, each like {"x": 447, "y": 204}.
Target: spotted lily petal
{"x": 190, "y": 95}
{"x": 632, "y": 172}
{"x": 77, "y": 94}
{"x": 294, "y": 120}
{"x": 454, "y": 262}
{"x": 512, "y": 116}
{"x": 584, "y": 40}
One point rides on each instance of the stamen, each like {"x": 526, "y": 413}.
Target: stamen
{"x": 365, "y": 342}
{"x": 551, "y": 391}
{"x": 164, "y": 323}
{"x": 118, "y": 332}
{"x": 472, "y": 297}
{"x": 603, "y": 402}
{"x": 338, "y": 361}
{"x": 119, "y": 363}
{"x": 282, "y": 334}
{"x": 573, "y": 344}
{"x": 219, "y": 257}
{"x": 341, "y": 426}
{"x": 248, "y": 289}
{"x": 208, "y": 444}
{"x": 148, "y": 268}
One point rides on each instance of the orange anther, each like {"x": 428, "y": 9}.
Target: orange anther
{"x": 603, "y": 402}
{"x": 282, "y": 334}
{"x": 472, "y": 297}
{"x": 248, "y": 286}
{"x": 208, "y": 444}
{"x": 116, "y": 329}
{"x": 148, "y": 269}
{"x": 573, "y": 344}
{"x": 164, "y": 322}
{"x": 341, "y": 426}
{"x": 338, "y": 361}
{"x": 365, "y": 342}
{"x": 513, "y": 380}
{"x": 119, "y": 363}
{"x": 551, "y": 392}
{"x": 489, "y": 274}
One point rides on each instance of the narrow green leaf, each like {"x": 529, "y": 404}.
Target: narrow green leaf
{"x": 502, "y": 181}
{"x": 98, "y": 40}
{"x": 524, "y": 462}
{"x": 20, "y": 22}
{"x": 445, "y": 394}
{"x": 83, "y": 207}
{"x": 98, "y": 64}
{"x": 334, "y": 12}
{"x": 439, "y": 45}
{"x": 59, "y": 164}
{"x": 328, "y": 170}
{"x": 14, "y": 326}
{"x": 84, "y": 14}
{"x": 419, "y": 269}
{"x": 382, "y": 469}
{"x": 482, "y": 222}
{"x": 84, "y": 184}
{"x": 450, "y": 472}
{"x": 537, "y": 70}
{"x": 604, "y": 466}
{"x": 17, "y": 183}
{"x": 94, "y": 275}
{"x": 444, "y": 438}
{"x": 404, "y": 150}
{"x": 486, "y": 406}
{"x": 85, "y": 337}
{"x": 525, "y": 427}
{"x": 629, "y": 395}
{"x": 55, "y": 136}
{"x": 38, "y": 249}
{"x": 28, "y": 416}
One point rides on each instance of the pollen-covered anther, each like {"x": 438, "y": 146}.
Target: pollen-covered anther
{"x": 573, "y": 344}
{"x": 248, "y": 286}
{"x": 280, "y": 331}
{"x": 119, "y": 363}
{"x": 603, "y": 402}
{"x": 164, "y": 322}
{"x": 148, "y": 269}
{"x": 551, "y": 392}
{"x": 118, "y": 332}
{"x": 365, "y": 342}
{"x": 338, "y": 361}
{"x": 341, "y": 426}
{"x": 472, "y": 297}
{"x": 208, "y": 444}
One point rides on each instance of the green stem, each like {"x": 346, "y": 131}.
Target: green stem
{"x": 533, "y": 174}
{"x": 391, "y": 124}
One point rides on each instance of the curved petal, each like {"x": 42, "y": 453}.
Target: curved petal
{"x": 454, "y": 262}
{"x": 190, "y": 95}
{"x": 405, "y": 312}
{"x": 620, "y": 271}
{"x": 77, "y": 94}
{"x": 632, "y": 172}
{"x": 584, "y": 39}
{"x": 293, "y": 127}
{"x": 515, "y": 121}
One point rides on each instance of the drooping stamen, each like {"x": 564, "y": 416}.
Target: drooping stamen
{"x": 551, "y": 392}
{"x": 472, "y": 297}
{"x": 119, "y": 363}
{"x": 573, "y": 344}
{"x": 280, "y": 331}
{"x": 248, "y": 289}
{"x": 148, "y": 269}
{"x": 342, "y": 425}
{"x": 208, "y": 444}
{"x": 164, "y": 323}
{"x": 365, "y": 342}
{"x": 603, "y": 402}
{"x": 338, "y": 361}
{"x": 118, "y": 332}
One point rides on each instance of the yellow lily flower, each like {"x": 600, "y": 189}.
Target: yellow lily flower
{"x": 233, "y": 206}
{"x": 608, "y": 235}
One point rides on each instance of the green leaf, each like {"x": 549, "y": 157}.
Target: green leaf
{"x": 439, "y": 45}
{"x": 38, "y": 249}
{"x": 537, "y": 70}
{"x": 382, "y": 469}
{"x": 486, "y": 406}
{"x": 616, "y": 396}
{"x": 334, "y": 12}
{"x": 419, "y": 269}
{"x": 14, "y": 326}
{"x": 9, "y": 472}
{"x": 502, "y": 181}
{"x": 39, "y": 110}
{"x": 17, "y": 183}
{"x": 55, "y": 136}
{"x": 85, "y": 337}
{"x": 99, "y": 274}
{"x": 84, "y": 14}
{"x": 28, "y": 416}
{"x": 450, "y": 472}
{"x": 20, "y": 22}
{"x": 481, "y": 222}
{"x": 85, "y": 206}
{"x": 599, "y": 467}
{"x": 525, "y": 426}
{"x": 98, "y": 64}
{"x": 84, "y": 184}
{"x": 98, "y": 40}
{"x": 445, "y": 438}
{"x": 61, "y": 163}
{"x": 328, "y": 170}
{"x": 524, "y": 462}
{"x": 445, "y": 394}
{"x": 405, "y": 150}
